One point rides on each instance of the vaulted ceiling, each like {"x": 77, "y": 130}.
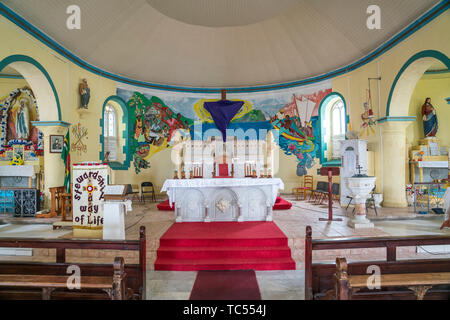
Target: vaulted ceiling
{"x": 220, "y": 43}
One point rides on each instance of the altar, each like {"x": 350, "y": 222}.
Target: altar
{"x": 223, "y": 199}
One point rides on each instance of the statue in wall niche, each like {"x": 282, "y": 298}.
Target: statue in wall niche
{"x": 22, "y": 121}
{"x": 429, "y": 117}
{"x": 85, "y": 94}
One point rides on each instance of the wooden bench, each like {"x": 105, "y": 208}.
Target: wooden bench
{"x": 135, "y": 273}
{"x": 114, "y": 286}
{"x": 419, "y": 283}
{"x": 320, "y": 277}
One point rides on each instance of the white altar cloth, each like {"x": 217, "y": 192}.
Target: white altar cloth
{"x": 432, "y": 164}
{"x": 223, "y": 199}
{"x": 17, "y": 171}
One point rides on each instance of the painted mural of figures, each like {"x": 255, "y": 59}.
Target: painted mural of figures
{"x": 429, "y": 117}
{"x": 173, "y": 123}
{"x": 85, "y": 94}
{"x": 138, "y": 127}
{"x": 22, "y": 121}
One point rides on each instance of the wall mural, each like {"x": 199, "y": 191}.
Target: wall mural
{"x": 155, "y": 116}
{"x": 18, "y": 110}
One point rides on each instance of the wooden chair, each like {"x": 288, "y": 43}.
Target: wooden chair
{"x": 334, "y": 193}
{"x": 130, "y": 191}
{"x": 318, "y": 192}
{"x": 56, "y": 203}
{"x": 307, "y": 187}
{"x": 66, "y": 205}
{"x": 143, "y": 191}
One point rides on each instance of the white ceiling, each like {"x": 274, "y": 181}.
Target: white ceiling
{"x": 185, "y": 45}
{"x": 223, "y": 13}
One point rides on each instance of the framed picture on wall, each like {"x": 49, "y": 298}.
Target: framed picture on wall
{"x": 56, "y": 144}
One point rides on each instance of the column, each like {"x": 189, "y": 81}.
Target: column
{"x": 54, "y": 166}
{"x": 393, "y": 132}
{"x": 269, "y": 211}
{"x": 207, "y": 217}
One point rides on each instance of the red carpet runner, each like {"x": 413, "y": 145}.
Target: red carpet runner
{"x": 280, "y": 204}
{"x": 193, "y": 246}
{"x": 226, "y": 285}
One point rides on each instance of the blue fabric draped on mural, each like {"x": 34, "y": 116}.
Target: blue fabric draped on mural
{"x": 222, "y": 112}
{"x": 242, "y": 130}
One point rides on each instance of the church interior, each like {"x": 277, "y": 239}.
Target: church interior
{"x": 225, "y": 150}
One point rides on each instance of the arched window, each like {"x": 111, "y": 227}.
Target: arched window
{"x": 110, "y": 132}
{"x": 333, "y": 127}
{"x": 337, "y": 122}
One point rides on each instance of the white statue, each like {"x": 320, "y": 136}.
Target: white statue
{"x": 22, "y": 120}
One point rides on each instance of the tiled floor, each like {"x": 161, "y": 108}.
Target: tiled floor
{"x": 273, "y": 284}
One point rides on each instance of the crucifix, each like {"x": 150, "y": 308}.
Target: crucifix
{"x": 224, "y": 97}
{"x": 90, "y": 188}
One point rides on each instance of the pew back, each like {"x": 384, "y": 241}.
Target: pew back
{"x": 319, "y": 277}
{"x": 136, "y": 273}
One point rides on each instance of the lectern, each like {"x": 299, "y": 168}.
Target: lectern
{"x": 330, "y": 172}
{"x": 115, "y": 207}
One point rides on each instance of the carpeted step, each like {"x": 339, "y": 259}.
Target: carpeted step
{"x": 223, "y": 252}
{"x": 224, "y": 264}
{"x": 194, "y": 246}
{"x": 211, "y": 242}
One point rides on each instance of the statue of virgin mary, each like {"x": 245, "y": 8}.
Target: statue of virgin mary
{"x": 22, "y": 121}
{"x": 430, "y": 122}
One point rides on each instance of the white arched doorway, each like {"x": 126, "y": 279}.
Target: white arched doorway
{"x": 49, "y": 121}
{"x": 394, "y": 124}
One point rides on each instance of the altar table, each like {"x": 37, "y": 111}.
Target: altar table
{"x": 223, "y": 199}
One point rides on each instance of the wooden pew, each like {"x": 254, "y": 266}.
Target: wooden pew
{"x": 419, "y": 283}
{"x": 320, "y": 277}
{"x": 114, "y": 286}
{"x": 135, "y": 273}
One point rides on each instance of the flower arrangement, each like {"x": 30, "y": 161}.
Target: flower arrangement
{"x": 16, "y": 161}
{"x": 421, "y": 153}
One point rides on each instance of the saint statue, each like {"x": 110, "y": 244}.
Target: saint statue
{"x": 430, "y": 122}
{"x": 85, "y": 94}
{"x": 22, "y": 121}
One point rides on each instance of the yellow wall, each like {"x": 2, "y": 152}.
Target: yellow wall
{"x": 353, "y": 85}
{"x": 66, "y": 77}
{"x": 9, "y": 85}
{"x": 437, "y": 87}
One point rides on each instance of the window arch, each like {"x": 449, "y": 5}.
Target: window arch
{"x": 337, "y": 126}
{"x": 110, "y": 132}
{"x": 333, "y": 127}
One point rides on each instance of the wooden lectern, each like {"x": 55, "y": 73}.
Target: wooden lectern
{"x": 330, "y": 172}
